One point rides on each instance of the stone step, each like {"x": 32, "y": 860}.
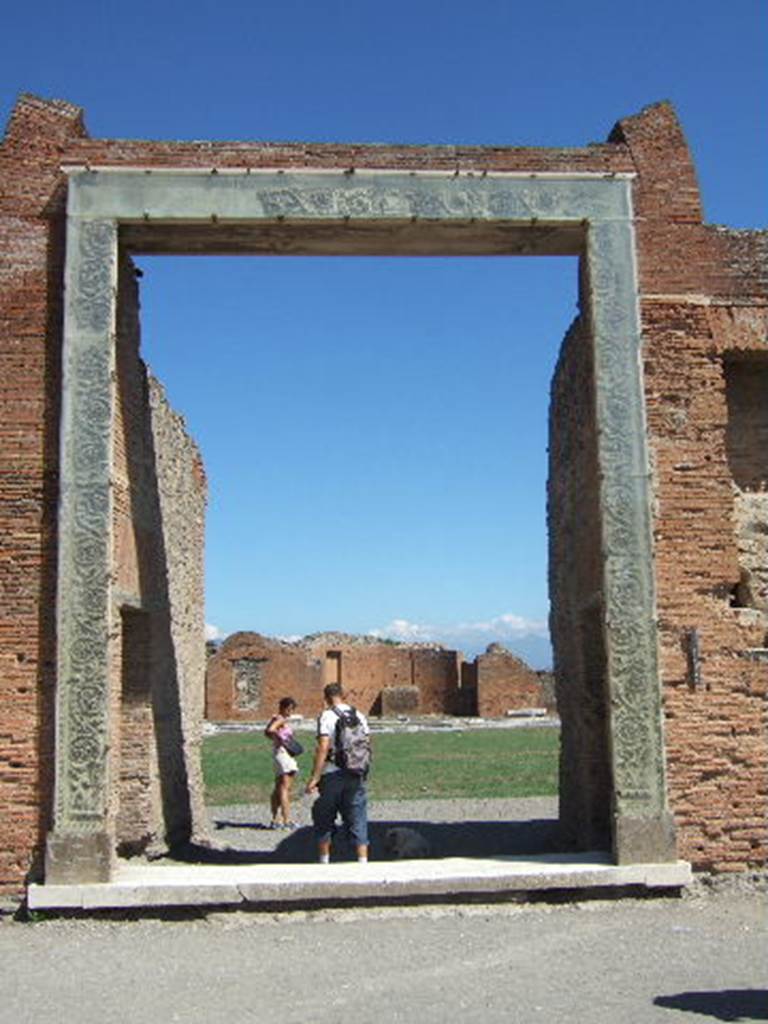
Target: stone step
{"x": 289, "y": 886}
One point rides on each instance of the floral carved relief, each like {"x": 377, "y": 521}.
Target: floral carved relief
{"x": 630, "y": 605}
{"x": 85, "y": 531}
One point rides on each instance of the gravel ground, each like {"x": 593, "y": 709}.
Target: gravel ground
{"x": 624, "y": 962}
{"x": 453, "y": 828}
{"x": 703, "y": 956}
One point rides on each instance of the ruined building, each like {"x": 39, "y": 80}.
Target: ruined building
{"x": 658, "y": 474}
{"x": 249, "y": 673}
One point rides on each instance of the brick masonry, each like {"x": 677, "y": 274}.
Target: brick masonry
{"x": 157, "y": 584}
{"x": 704, "y": 316}
{"x": 716, "y": 723}
{"x": 703, "y": 296}
{"x": 505, "y": 683}
{"x": 250, "y": 673}
{"x": 159, "y": 500}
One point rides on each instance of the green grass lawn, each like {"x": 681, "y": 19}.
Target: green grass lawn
{"x": 237, "y": 767}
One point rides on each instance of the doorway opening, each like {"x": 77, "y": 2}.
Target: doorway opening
{"x": 333, "y": 672}
{"x": 413, "y": 396}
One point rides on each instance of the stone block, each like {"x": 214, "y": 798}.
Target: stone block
{"x": 399, "y": 700}
{"x": 75, "y": 859}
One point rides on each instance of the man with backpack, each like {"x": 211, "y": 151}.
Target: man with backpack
{"x": 342, "y": 760}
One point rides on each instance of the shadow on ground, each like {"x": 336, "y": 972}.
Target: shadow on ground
{"x": 445, "y": 839}
{"x": 740, "y": 1004}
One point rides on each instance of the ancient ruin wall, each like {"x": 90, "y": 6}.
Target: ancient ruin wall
{"x": 250, "y": 673}
{"x": 157, "y": 603}
{"x": 399, "y": 701}
{"x": 182, "y": 491}
{"x": 367, "y": 668}
{"x": 505, "y": 683}
{"x": 31, "y": 260}
{"x": 710, "y": 527}
{"x": 704, "y": 309}
{"x": 32, "y": 197}
{"x": 703, "y": 301}
{"x": 363, "y": 669}
{"x": 746, "y": 439}
{"x": 438, "y": 674}
{"x": 157, "y": 628}
{"x": 134, "y": 797}
{"x": 703, "y": 297}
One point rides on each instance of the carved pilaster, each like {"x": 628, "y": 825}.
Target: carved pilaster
{"x": 642, "y": 829}
{"x": 82, "y": 696}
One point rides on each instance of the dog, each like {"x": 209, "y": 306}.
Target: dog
{"x": 403, "y": 843}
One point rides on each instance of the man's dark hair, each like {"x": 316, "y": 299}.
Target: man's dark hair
{"x": 332, "y": 690}
{"x": 285, "y": 703}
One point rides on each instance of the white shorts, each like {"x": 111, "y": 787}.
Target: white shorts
{"x": 283, "y": 763}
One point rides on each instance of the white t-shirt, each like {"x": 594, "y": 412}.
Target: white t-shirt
{"x": 326, "y": 726}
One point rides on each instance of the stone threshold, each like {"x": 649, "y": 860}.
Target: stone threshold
{"x": 289, "y": 886}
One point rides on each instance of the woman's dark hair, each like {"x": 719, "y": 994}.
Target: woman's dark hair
{"x": 285, "y": 703}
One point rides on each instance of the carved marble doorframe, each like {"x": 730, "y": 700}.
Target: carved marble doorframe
{"x": 241, "y": 210}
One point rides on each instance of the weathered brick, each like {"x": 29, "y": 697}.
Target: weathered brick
{"x": 704, "y": 306}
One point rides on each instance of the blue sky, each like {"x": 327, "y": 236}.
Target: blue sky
{"x": 375, "y": 430}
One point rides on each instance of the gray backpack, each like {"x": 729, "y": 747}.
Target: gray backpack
{"x": 351, "y": 744}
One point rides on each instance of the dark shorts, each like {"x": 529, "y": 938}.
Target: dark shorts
{"x": 345, "y": 794}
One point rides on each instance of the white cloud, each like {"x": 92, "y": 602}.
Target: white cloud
{"x": 508, "y": 625}
{"x": 213, "y": 632}
{"x": 516, "y": 631}
{"x": 402, "y": 629}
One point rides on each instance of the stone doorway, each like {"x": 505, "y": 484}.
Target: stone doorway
{"x": 138, "y": 210}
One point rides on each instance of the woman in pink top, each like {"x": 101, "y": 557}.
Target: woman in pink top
{"x": 280, "y": 732}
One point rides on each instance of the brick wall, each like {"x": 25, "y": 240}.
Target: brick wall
{"x": 133, "y": 744}
{"x": 32, "y": 193}
{"x": 437, "y": 675}
{"x": 704, "y": 293}
{"x": 704, "y": 362}
{"x": 268, "y": 668}
{"x": 250, "y": 673}
{"x": 31, "y": 257}
{"x": 158, "y": 648}
{"x": 505, "y": 683}
{"x": 703, "y": 298}
{"x": 179, "y": 659}
{"x": 134, "y": 799}
{"x": 367, "y": 669}
{"x": 746, "y": 440}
